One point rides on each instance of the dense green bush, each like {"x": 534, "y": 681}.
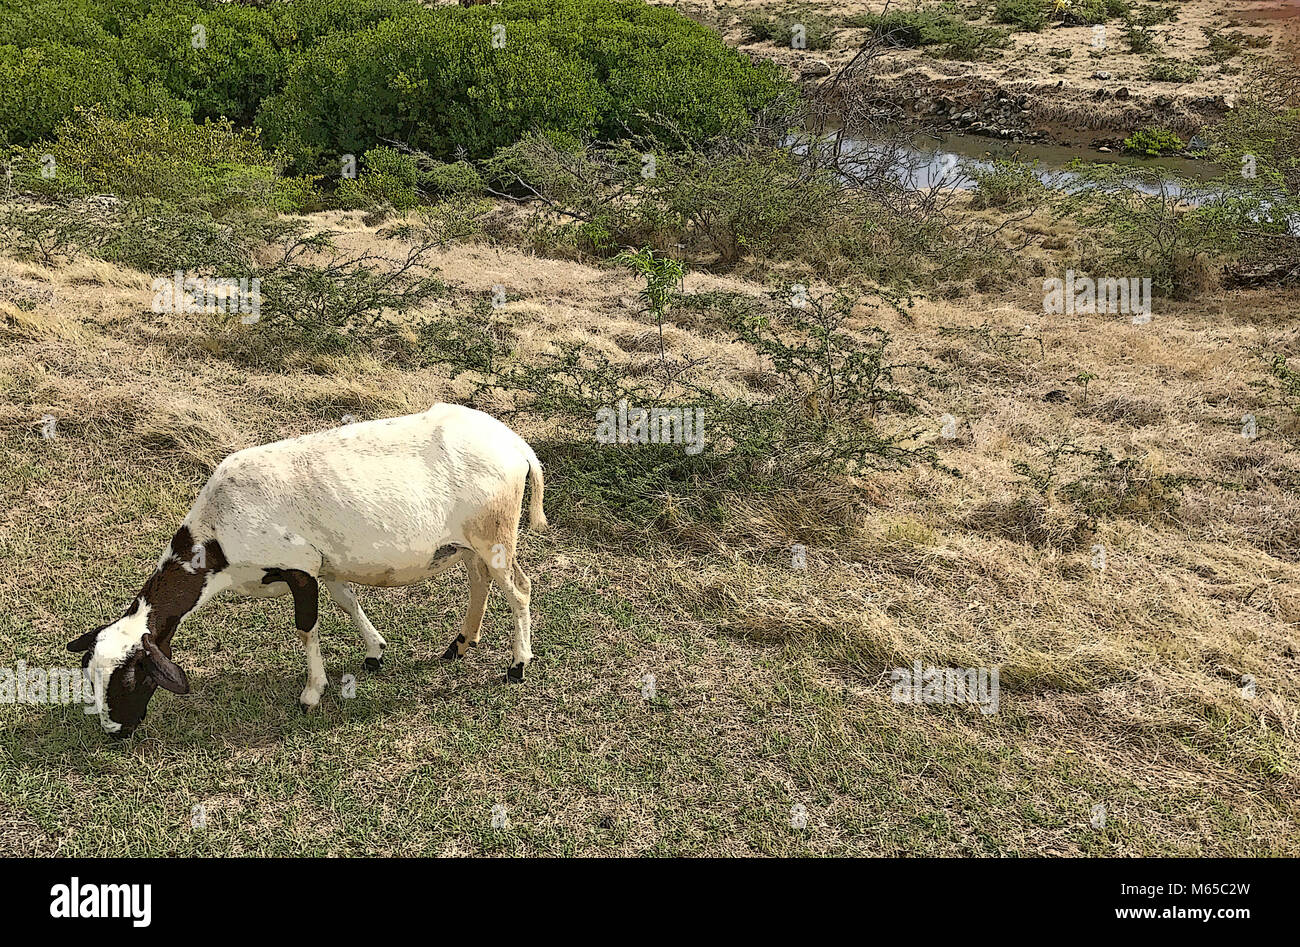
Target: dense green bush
{"x": 151, "y": 192}
{"x": 452, "y": 179}
{"x": 327, "y": 78}
{"x": 43, "y": 85}
{"x": 211, "y": 167}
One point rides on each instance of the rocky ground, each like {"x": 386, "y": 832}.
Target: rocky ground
{"x": 1067, "y": 84}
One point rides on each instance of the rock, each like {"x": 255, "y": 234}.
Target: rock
{"x": 814, "y": 68}
{"x": 1104, "y": 150}
{"x": 966, "y": 117}
{"x": 1101, "y": 75}
{"x": 1122, "y": 93}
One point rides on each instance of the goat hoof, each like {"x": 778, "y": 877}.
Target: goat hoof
{"x": 374, "y": 664}
{"x": 453, "y": 650}
{"x": 515, "y": 673}
{"x": 304, "y": 706}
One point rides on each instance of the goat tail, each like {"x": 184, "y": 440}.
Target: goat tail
{"x": 536, "y": 511}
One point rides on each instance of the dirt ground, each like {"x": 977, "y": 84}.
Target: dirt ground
{"x": 1096, "y": 88}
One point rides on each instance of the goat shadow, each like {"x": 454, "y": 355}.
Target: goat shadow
{"x": 248, "y": 709}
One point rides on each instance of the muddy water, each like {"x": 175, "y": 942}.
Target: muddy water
{"x": 940, "y": 160}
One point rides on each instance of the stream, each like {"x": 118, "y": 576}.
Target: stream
{"x": 938, "y": 159}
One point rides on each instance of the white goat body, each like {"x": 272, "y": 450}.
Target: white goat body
{"x": 379, "y": 503}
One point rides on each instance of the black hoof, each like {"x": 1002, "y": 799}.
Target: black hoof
{"x": 515, "y": 673}
{"x": 453, "y": 650}
{"x": 304, "y": 707}
{"x": 374, "y": 664}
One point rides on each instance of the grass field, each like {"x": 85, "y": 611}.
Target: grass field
{"x": 1124, "y": 686}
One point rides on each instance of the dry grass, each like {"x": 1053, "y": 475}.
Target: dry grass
{"x": 1121, "y": 685}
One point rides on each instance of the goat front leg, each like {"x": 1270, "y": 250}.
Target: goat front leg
{"x": 346, "y": 599}
{"x": 306, "y": 617}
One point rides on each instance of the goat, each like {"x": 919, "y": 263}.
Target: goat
{"x": 380, "y": 503}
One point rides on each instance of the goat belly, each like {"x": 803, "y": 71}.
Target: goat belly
{"x": 381, "y": 573}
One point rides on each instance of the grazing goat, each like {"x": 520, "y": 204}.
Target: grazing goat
{"x": 381, "y": 503}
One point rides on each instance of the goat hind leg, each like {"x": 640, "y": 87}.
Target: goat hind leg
{"x": 479, "y": 584}
{"x": 346, "y": 599}
{"x": 518, "y": 591}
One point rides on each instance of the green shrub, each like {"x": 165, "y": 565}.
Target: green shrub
{"x": 343, "y": 300}
{"x": 829, "y": 408}
{"x": 386, "y": 176}
{"x": 145, "y": 234}
{"x": 210, "y": 166}
{"x": 1139, "y": 38}
{"x": 1007, "y": 183}
{"x": 1030, "y": 15}
{"x": 1154, "y": 141}
{"x": 150, "y": 192}
{"x": 761, "y": 27}
{"x": 44, "y": 85}
{"x": 1146, "y": 221}
{"x": 1258, "y": 145}
{"x": 731, "y": 199}
{"x": 1093, "y": 11}
{"x": 437, "y": 86}
{"x": 1173, "y": 70}
{"x": 452, "y": 179}
{"x": 935, "y": 27}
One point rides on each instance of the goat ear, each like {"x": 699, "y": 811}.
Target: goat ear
{"x": 85, "y": 642}
{"x": 163, "y": 669}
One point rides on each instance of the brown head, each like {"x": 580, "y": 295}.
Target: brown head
{"x": 125, "y": 665}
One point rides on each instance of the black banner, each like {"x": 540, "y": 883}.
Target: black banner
{"x": 334, "y": 896}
